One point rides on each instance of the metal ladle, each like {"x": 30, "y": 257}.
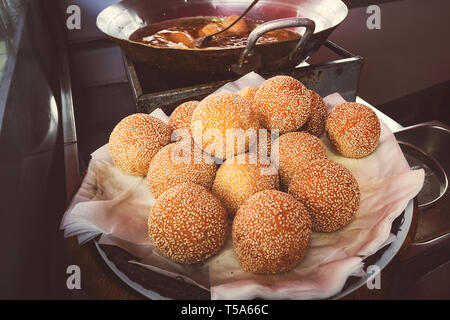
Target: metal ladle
{"x": 203, "y": 41}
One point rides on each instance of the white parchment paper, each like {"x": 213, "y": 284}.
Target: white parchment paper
{"x": 116, "y": 205}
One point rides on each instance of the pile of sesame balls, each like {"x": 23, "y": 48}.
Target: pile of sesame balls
{"x": 204, "y": 195}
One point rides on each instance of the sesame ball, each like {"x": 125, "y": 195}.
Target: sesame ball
{"x": 295, "y": 149}
{"x": 283, "y": 103}
{"x": 209, "y": 29}
{"x": 263, "y": 144}
{"x": 271, "y": 232}
{"x": 219, "y": 115}
{"x": 177, "y": 163}
{"x": 135, "y": 140}
{"x": 353, "y": 129}
{"x": 182, "y": 115}
{"x": 177, "y": 38}
{"x": 242, "y": 176}
{"x": 239, "y": 28}
{"x": 188, "y": 224}
{"x": 329, "y": 191}
{"x": 248, "y": 92}
{"x": 316, "y": 122}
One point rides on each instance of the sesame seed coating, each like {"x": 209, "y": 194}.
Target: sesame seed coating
{"x": 239, "y": 178}
{"x": 222, "y": 112}
{"x": 188, "y": 224}
{"x": 177, "y": 163}
{"x": 283, "y": 104}
{"x": 248, "y": 92}
{"x": 353, "y": 129}
{"x": 316, "y": 122}
{"x": 135, "y": 140}
{"x": 295, "y": 149}
{"x": 263, "y": 143}
{"x": 271, "y": 232}
{"x": 182, "y": 115}
{"x": 329, "y": 191}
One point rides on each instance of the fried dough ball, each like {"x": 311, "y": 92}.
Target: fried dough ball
{"x": 316, "y": 122}
{"x": 248, "y": 92}
{"x": 271, "y": 232}
{"x": 177, "y": 37}
{"x": 282, "y": 103}
{"x": 188, "y": 224}
{"x": 295, "y": 149}
{"x": 209, "y": 29}
{"x": 181, "y": 117}
{"x": 353, "y": 129}
{"x": 329, "y": 191}
{"x": 220, "y": 123}
{"x": 263, "y": 144}
{"x": 239, "y": 28}
{"x": 240, "y": 177}
{"x": 177, "y": 163}
{"x": 135, "y": 140}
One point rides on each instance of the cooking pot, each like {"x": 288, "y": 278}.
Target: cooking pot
{"x": 313, "y": 19}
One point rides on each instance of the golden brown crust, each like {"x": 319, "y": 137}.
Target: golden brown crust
{"x": 135, "y": 140}
{"x": 209, "y": 29}
{"x": 240, "y": 177}
{"x": 294, "y": 150}
{"x": 353, "y": 129}
{"x": 271, "y": 232}
{"x": 182, "y": 115}
{"x": 329, "y": 191}
{"x": 316, "y": 122}
{"x": 177, "y": 163}
{"x": 248, "y": 92}
{"x": 239, "y": 28}
{"x": 283, "y": 103}
{"x": 224, "y": 113}
{"x": 263, "y": 145}
{"x": 188, "y": 224}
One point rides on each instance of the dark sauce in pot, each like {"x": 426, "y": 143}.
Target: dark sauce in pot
{"x": 181, "y": 33}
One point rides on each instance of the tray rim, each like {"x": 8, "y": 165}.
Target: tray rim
{"x": 388, "y": 255}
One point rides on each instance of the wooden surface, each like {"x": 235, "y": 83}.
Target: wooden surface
{"x": 99, "y": 282}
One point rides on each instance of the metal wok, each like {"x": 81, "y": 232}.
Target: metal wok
{"x": 313, "y": 19}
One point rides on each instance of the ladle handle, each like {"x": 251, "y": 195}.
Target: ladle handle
{"x": 295, "y": 55}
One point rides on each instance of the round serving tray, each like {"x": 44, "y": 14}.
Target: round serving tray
{"x": 156, "y": 286}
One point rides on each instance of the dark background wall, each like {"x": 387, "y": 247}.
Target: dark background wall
{"x": 409, "y": 53}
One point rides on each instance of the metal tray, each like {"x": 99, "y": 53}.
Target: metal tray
{"x": 422, "y": 145}
{"x": 426, "y": 146}
{"x": 436, "y": 182}
{"x": 145, "y": 281}
{"x": 153, "y": 89}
